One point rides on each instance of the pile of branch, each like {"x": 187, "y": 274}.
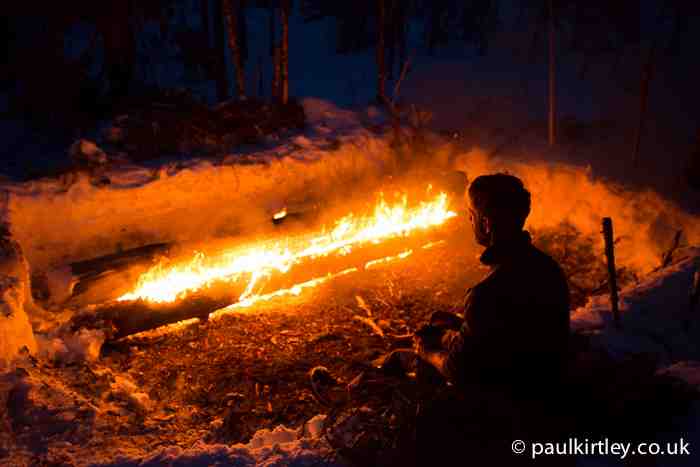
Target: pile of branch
{"x": 585, "y": 269}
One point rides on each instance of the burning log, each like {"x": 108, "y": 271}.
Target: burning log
{"x": 86, "y": 273}
{"x": 132, "y": 317}
{"x": 244, "y": 274}
{"x": 126, "y": 317}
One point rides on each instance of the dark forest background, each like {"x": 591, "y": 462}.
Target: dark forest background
{"x": 56, "y": 87}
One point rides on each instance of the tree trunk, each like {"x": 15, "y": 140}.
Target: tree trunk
{"x": 276, "y": 71}
{"x": 391, "y": 46}
{"x": 271, "y": 28}
{"x": 284, "y": 53}
{"x": 229, "y": 13}
{"x": 220, "y": 47}
{"x": 261, "y": 91}
{"x": 381, "y": 72}
{"x": 680, "y": 26}
{"x": 204, "y": 11}
{"x": 643, "y": 99}
{"x": 401, "y": 32}
{"x": 119, "y": 48}
{"x": 552, "y": 73}
{"x": 242, "y": 31}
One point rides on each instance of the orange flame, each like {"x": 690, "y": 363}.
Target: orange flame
{"x": 170, "y": 282}
{"x": 281, "y": 214}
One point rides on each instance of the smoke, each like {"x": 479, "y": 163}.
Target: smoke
{"x": 644, "y": 222}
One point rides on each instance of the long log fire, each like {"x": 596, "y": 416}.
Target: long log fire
{"x": 238, "y": 277}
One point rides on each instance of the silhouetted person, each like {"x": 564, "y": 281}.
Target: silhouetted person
{"x": 505, "y": 358}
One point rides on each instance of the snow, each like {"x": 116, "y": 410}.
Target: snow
{"x": 70, "y": 347}
{"x": 653, "y": 314}
{"x": 15, "y": 300}
{"x": 278, "y": 447}
{"x": 194, "y": 200}
{"x": 123, "y": 388}
{"x": 15, "y": 330}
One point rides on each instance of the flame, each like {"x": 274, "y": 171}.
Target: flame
{"x": 281, "y": 214}
{"x": 387, "y": 259}
{"x": 169, "y": 282}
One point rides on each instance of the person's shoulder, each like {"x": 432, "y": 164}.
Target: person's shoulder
{"x": 544, "y": 263}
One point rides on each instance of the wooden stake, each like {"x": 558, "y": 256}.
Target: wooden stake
{"x": 694, "y": 299}
{"x": 695, "y": 292}
{"x": 612, "y": 276}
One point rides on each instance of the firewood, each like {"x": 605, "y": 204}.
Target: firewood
{"x": 370, "y": 322}
{"x": 87, "y": 272}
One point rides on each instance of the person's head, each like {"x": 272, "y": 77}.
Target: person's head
{"x": 499, "y": 205}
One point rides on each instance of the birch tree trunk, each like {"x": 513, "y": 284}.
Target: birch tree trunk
{"x": 229, "y": 13}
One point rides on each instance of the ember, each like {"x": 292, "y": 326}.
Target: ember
{"x": 251, "y": 263}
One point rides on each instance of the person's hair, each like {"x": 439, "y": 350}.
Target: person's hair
{"x": 501, "y": 198}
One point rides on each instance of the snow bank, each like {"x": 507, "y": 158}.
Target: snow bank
{"x": 15, "y": 330}
{"x": 654, "y": 315}
{"x": 70, "y": 347}
{"x": 193, "y": 200}
{"x": 15, "y": 298}
{"x": 279, "y": 447}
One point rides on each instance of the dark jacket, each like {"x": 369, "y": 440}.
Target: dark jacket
{"x": 516, "y": 327}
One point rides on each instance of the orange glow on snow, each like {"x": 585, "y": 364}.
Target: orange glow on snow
{"x": 167, "y": 282}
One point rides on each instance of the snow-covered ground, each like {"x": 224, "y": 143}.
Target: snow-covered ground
{"x": 195, "y": 199}
{"x": 282, "y": 446}
{"x": 489, "y": 100}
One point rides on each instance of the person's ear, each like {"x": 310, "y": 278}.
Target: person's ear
{"x": 485, "y": 225}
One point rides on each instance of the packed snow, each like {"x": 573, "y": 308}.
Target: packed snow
{"x": 279, "y": 447}
{"x": 190, "y": 200}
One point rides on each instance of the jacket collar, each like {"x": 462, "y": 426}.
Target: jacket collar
{"x": 503, "y": 252}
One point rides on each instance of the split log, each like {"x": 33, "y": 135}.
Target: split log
{"x": 123, "y": 318}
{"x": 131, "y": 317}
{"x": 86, "y": 273}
